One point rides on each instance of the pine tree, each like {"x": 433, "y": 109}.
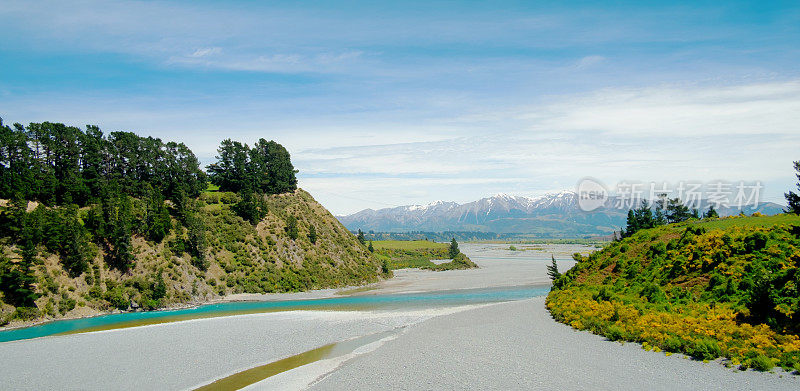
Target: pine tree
{"x": 157, "y": 222}
{"x": 312, "y": 234}
{"x": 711, "y": 214}
{"x": 453, "y": 251}
{"x": 16, "y": 283}
{"x": 552, "y": 269}
{"x": 291, "y": 227}
{"x": 792, "y": 198}
{"x": 73, "y": 244}
{"x": 196, "y": 243}
{"x": 120, "y": 255}
{"x": 677, "y": 211}
{"x": 230, "y": 172}
{"x": 361, "y": 238}
{"x": 280, "y": 171}
{"x": 370, "y": 247}
{"x": 644, "y": 216}
{"x": 632, "y": 224}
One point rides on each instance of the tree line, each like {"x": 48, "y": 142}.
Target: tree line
{"x": 57, "y": 164}
{"x": 666, "y": 211}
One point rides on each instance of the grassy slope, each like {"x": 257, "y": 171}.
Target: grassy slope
{"x": 241, "y": 258}
{"x": 402, "y": 254}
{"x": 686, "y": 288}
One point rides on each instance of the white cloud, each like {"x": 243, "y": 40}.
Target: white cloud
{"x": 755, "y": 109}
{"x": 668, "y": 133}
{"x": 205, "y": 52}
{"x": 589, "y": 61}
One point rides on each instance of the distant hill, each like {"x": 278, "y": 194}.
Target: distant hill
{"x": 554, "y": 215}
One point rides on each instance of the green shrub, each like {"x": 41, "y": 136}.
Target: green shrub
{"x": 653, "y": 293}
{"x": 604, "y": 294}
{"x": 673, "y": 344}
{"x": 703, "y": 349}
{"x": 25, "y": 313}
{"x": 66, "y": 304}
{"x": 118, "y": 298}
{"x": 615, "y": 333}
{"x": 761, "y": 363}
{"x": 755, "y": 242}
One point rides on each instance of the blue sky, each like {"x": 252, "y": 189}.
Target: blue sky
{"x": 393, "y": 103}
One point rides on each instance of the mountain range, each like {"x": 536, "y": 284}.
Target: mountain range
{"x": 553, "y": 215}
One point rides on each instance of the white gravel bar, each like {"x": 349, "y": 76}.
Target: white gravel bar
{"x": 517, "y": 346}
{"x": 186, "y": 354}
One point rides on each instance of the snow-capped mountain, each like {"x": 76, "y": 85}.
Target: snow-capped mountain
{"x": 550, "y": 215}
{"x": 499, "y": 213}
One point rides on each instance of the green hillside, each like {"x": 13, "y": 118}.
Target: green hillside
{"x": 93, "y": 222}
{"x": 238, "y": 257}
{"x": 710, "y": 288}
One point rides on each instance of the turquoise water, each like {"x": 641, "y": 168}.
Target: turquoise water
{"x": 372, "y": 302}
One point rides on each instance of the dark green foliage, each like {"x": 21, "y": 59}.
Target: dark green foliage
{"x": 117, "y": 296}
{"x": 157, "y": 222}
{"x": 711, "y": 213}
{"x": 667, "y": 211}
{"x": 280, "y": 171}
{"x": 58, "y": 164}
{"x": 231, "y": 172}
{"x": 361, "y": 238}
{"x": 702, "y": 349}
{"x": 371, "y": 248}
{"x": 119, "y": 248}
{"x": 385, "y": 266}
{"x": 676, "y": 211}
{"x": 60, "y": 231}
{"x": 66, "y": 304}
{"x": 196, "y": 242}
{"x": 792, "y": 198}
{"x": 150, "y": 291}
{"x": 312, "y": 234}
{"x": 266, "y": 168}
{"x": 251, "y": 208}
{"x": 638, "y": 219}
{"x": 653, "y": 293}
{"x": 552, "y": 269}
{"x": 604, "y": 294}
{"x": 453, "y": 251}
{"x": 16, "y": 283}
{"x": 71, "y": 242}
{"x": 18, "y": 167}
{"x": 291, "y": 227}
{"x": 755, "y": 242}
